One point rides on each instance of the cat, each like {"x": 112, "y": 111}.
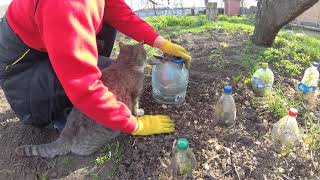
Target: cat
{"x": 83, "y": 136}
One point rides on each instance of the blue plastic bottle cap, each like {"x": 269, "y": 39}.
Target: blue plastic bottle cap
{"x": 182, "y": 144}
{"x": 178, "y": 60}
{"x": 227, "y": 89}
{"x": 315, "y": 64}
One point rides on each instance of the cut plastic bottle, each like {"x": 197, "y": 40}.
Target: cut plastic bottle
{"x": 225, "y": 109}
{"x": 286, "y": 131}
{"x": 184, "y": 160}
{"x": 262, "y": 80}
{"x": 309, "y": 84}
{"x": 169, "y": 80}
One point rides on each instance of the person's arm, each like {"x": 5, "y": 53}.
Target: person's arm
{"x": 118, "y": 14}
{"x": 69, "y": 36}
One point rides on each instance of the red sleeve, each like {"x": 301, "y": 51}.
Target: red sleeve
{"x": 68, "y": 32}
{"x": 119, "y": 15}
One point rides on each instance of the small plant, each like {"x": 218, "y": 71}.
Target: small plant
{"x": 224, "y": 44}
{"x": 216, "y": 59}
{"x": 66, "y": 161}
{"x": 278, "y": 102}
{"x": 237, "y": 77}
{"x": 312, "y": 138}
{"x": 110, "y": 151}
{"x": 43, "y": 177}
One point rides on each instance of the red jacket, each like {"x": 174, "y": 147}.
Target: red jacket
{"x": 67, "y": 29}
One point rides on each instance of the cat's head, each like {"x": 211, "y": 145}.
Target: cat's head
{"x": 132, "y": 54}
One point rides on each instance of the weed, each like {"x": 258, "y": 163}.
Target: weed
{"x": 66, "y": 161}
{"x": 110, "y": 151}
{"x": 237, "y": 77}
{"x": 216, "y": 59}
{"x": 278, "y": 102}
{"x": 224, "y": 44}
{"x": 312, "y": 138}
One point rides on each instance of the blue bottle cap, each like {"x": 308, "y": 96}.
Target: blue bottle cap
{"x": 182, "y": 144}
{"x": 315, "y": 64}
{"x": 227, "y": 89}
{"x": 178, "y": 60}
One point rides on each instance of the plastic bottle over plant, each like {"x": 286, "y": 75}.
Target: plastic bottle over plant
{"x": 225, "y": 109}
{"x": 310, "y": 79}
{"x": 286, "y": 130}
{"x": 184, "y": 160}
{"x": 169, "y": 80}
{"x": 309, "y": 86}
{"x": 262, "y": 80}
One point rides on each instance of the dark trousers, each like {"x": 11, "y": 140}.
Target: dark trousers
{"x": 29, "y": 82}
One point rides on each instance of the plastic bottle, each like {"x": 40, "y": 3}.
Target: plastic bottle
{"x": 170, "y": 81}
{"x": 225, "y": 109}
{"x": 286, "y": 130}
{"x": 184, "y": 160}
{"x": 262, "y": 80}
{"x": 309, "y": 83}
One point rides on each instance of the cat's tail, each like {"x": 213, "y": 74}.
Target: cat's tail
{"x": 44, "y": 150}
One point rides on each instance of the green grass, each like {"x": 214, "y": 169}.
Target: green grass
{"x": 175, "y": 25}
{"x": 312, "y": 138}
{"x": 279, "y": 101}
{"x": 216, "y": 59}
{"x": 110, "y": 151}
{"x": 66, "y": 161}
{"x": 114, "y": 152}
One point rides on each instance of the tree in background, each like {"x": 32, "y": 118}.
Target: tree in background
{"x": 272, "y": 15}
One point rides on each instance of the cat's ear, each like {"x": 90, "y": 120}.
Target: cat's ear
{"x": 141, "y": 42}
{"x": 121, "y": 44}
{"x": 156, "y": 60}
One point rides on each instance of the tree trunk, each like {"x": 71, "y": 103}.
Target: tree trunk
{"x": 212, "y": 11}
{"x": 272, "y": 15}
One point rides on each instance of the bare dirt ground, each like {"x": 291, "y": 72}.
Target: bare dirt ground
{"x": 242, "y": 151}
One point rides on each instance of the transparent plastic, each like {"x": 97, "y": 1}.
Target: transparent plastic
{"x": 225, "y": 109}
{"x": 311, "y": 76}
{"x": 184, "y": 161}
{"x": 169, "y": 82}
{"x": 262, "y": 80}
{"x": 286, "y": 130}
{"x": 309, "y": 85}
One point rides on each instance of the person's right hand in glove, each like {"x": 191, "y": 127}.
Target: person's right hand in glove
{"x": 153, "y": 124}
{"x": 172, "y": 49}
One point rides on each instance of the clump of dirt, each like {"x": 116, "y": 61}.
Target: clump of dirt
{"x": 242, "y": 151}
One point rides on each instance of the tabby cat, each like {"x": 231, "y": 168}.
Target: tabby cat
{"x": 81, "y": 135}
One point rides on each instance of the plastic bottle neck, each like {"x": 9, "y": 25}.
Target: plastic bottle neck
{"x": 182, "y": 150}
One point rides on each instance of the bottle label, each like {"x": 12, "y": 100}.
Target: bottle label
{"x": 258, "y": 83}
{"x": 306, "y": 89}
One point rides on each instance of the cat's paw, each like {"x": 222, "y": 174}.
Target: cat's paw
{"x": 139, "y": 112}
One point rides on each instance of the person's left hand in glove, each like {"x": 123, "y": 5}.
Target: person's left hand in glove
{"x": 172, "y": 49}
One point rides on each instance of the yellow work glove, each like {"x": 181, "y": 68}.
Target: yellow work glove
{"x": 175, "y": 50}
{"x": 157, "y": 124}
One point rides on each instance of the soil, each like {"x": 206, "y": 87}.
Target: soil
{"x": 242, "y": 151}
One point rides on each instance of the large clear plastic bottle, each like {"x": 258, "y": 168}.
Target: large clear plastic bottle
{"x": 286, "y": 130}
{"x": 309, "y": 85}
{"x": 262, "y": 80}
{"x": 170, "y": 81}
{"x": 225, "y": 109}
{"x": 310, "y": 79}
{"x": 184, "y": 160}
